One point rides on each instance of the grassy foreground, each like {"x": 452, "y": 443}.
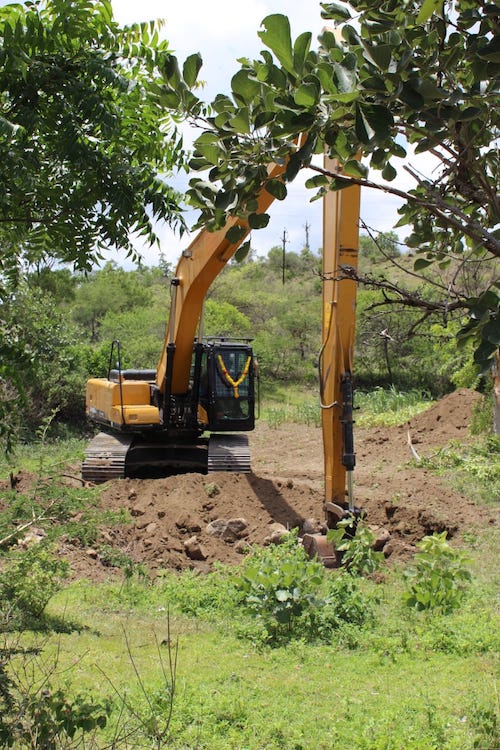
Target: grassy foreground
{"x": 278, "y": 655}
{"x": 181, "y": 663}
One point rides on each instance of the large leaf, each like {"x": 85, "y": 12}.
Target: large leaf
{"x": 335, "y": 12}
{"x": 191, "y": 68}
{"x": 277, "y": 189}
{"x": 307, "y": 95}
{"x": 245, "y": 86}
{"x": 277, "y": 37}
{"x": 258, "y": 221}
{"x": 301, "y": 50}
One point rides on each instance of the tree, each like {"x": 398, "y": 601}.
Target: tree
{"x": 416, "y": 75}
{"x": 84, "y": 138}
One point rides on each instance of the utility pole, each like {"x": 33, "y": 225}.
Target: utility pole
{"x": 307, "y": 226}
{"x": 284, "y": 240}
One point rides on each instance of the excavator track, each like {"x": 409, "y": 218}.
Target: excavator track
{"x": 117, "y": 456}
{"x": 229, "y": 453}
{"x": 105, "y": 458}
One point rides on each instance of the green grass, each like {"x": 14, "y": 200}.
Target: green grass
{"x": 388, "y": 406}
{"x": 473, "y": 470}
{"x": 50, "y": 456}
{"x": 408, "y": 681}
{"x": 379, "y": 407}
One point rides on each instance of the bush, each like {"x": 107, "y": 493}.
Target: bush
{"x": 355, "y": 540}
{"x": 438, "y": 579}
{"x": 293, "y": 596}
{"x": 30, "y": 579}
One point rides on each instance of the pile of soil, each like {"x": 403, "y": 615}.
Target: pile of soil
{"x": 192, "y": 520}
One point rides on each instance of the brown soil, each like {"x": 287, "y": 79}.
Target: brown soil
{"x": 170, "y": 516}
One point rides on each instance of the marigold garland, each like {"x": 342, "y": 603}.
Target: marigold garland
{"x": 234, "y": 383}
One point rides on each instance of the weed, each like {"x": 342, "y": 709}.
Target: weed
{"x": 30, "y": 579}
{"x": 475, "y": 469}
{"x": 438, "y": 578}
{"x": 388, "y": 406}
{"x": 483, "y": 718}
{"x": 358, "y": 555}
{"x": 290, "y": 596}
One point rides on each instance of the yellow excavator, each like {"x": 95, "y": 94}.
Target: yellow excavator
{"x": 192, "y": 412}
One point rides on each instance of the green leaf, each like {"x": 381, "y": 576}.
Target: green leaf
{"x": 428, "y": 8}
{"x": 380, "y": 54}
{"x": 235, "y": 234}
{"x": 191, "y": 68}
{"x": 354, "y": 168}
{"x": 277, "y": 37}
{"x": 307, "y": 95}
{"x": 335, "y": 12}
{"x": 240, "y": 123}
{"x": 379, "y": 118}
{"x": 317, "y": 181}
{"x": 421, "y": 263}
{"x": 258, "y": 221}
{"x": 242, "y": 252}
{"x": 389, "y": 173}
{"x": 345, "y": 78}
{"x": 170, "y": 70}
{"x": 277, "y": 189}
{"x": 245, "y": 87}
{"x": 300, "y": 50}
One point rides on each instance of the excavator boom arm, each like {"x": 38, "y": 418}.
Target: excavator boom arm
{"x": 198, "y": 266}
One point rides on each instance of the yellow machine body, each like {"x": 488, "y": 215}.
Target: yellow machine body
{"x": 123, "y": 403}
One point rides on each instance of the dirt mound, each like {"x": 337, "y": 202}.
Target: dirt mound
{"x": 193, "y": 520}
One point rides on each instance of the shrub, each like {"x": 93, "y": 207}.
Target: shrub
{"x": 30, "y": 579}
{"x": 438, "y": 579}
{"x": 358, "y": 555}
{"x": 293, "y": 597}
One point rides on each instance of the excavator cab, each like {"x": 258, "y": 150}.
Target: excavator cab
{"x": 229, "y": 396}
{"x": 223, "y": 377}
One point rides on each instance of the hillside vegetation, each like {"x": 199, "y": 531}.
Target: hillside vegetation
{"x": 64, "y": 323}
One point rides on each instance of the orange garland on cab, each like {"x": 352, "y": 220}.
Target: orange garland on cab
{"x": 234, "y": 383}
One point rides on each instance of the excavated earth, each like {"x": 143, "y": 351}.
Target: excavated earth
{"x": 192, "y": 520}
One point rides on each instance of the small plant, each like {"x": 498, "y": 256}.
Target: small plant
{"x": 293, "y": 598}
{"x": 438, "y": 579}
{"x": 278, "y": 584}
{"x": 355, "y": 540}
{"x": 30, "y": 579}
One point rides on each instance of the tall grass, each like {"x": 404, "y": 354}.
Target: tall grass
{"x": 379, "y": 407}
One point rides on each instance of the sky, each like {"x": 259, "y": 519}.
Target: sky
{"x": 222, "y": 31}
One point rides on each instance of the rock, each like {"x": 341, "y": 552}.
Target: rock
{"x": 241, "y": 547}
{"x": 212, "y": 489}
{"x": 312, "y": 526}
{"x": 278, "y": 534}
{"x": 382, "y": 537}
{"x": 238, "y": 527}
{"x": 151, "y": 528}
{"x": 194, "y": 549}
{"x": 137, "y": 510}
{"x": 230, "y": 530}
{"x": 186, "y": 522}
{"x": 217, "y": 527}
{"x": 34, "y": 536}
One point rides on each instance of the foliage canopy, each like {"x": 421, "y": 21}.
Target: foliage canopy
{"x": 84, "y": 136}
{"x": 394, "y": 79}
